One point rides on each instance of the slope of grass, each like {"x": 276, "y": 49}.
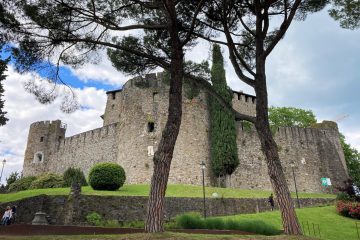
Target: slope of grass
{"x": 143, "y": 190}
{"x": 332, "y": 225}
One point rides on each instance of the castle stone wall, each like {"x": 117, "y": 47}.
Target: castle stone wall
{"x": 133, "y": 122}
{"x": 144, "y": 104}
{"x": 82, "y": 151}
{"x": 315, "y": 153}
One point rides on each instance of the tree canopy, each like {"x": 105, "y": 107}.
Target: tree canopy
{"x": 347, "y": 12}
{"x": 352, "y": 158}
{"x": 290, "y": 117}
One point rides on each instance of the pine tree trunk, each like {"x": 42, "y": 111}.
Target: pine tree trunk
{"x": 278, "y": 181}
{"x": 164, "y": 154}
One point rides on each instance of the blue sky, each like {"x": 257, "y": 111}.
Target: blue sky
{"x": 316, "y": 66}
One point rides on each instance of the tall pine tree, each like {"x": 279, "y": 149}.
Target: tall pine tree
{"x": 224, "y": 157}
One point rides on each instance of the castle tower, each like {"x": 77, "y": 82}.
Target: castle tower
{"x": 43, "y": 140}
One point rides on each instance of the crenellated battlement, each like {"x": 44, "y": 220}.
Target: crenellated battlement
{"x": 90, "y": 136}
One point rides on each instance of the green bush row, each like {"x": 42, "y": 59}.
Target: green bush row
{"x": 102, "y": 176}
{"x": 48, "y": 180}
{"x": 195, "y": 221}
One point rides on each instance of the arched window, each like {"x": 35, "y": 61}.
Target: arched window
{"x": 38, "y": 157}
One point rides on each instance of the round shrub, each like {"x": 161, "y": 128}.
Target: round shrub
{"x": 106, "y": 176}
{"x": 74, "y": 175}
{"x": 21, "y": 184}
{"x": 48, "y": 180}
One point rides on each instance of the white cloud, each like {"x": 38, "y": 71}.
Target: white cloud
{"x": 103, "y": 71}
{"x": 23, "y": 109}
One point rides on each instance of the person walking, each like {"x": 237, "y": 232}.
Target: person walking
{"x": 271, "y": 201}
{"x": 13, "y": 214}
{"x": 7, "y": 216}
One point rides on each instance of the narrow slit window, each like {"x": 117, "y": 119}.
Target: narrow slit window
{"x": 151, "y": 126}
{"x": 41, "y": 139}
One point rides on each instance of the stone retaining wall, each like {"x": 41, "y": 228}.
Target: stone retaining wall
{"x": 134, "y": 208}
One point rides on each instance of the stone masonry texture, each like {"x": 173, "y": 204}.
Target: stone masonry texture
{"x": 125, "y": 209}
{"x": 133, "y": 121}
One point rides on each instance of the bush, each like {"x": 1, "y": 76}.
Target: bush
{"x": 348, "y": 209}
{"x": 94, "y": 219}
{"x": 14, "y": 176}
{"x": 190, "y": 221}
{"x": 107, "y": 176}
{"x": 195, "y": 221}
{"x": 344, "y": 197}
{"x": 48, "y": 180}
{"x": 74, "y": 175}
{"x": 21, "y": 184}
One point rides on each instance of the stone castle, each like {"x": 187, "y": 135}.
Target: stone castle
{"x": 132, "y": 125}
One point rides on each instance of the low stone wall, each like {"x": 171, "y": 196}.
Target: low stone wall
{"x": 134, "y": 208}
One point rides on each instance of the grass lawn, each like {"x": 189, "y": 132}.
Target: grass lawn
{"x": 332, "y": 225}
{"x": 166, "y": 235}
{"x": 143, "y": 190}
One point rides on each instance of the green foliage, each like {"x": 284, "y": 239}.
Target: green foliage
{"x": 21, "y": 184}
{"x": 346, "y": 12}
{"x": 74, "y": 175}
{"x": 342, "y": 196}
{"x": 107, "y": 176}
{"x": 12, "y": 178}
{"x": 224, "y": 158}
{"x": 290, "y": 117}
{"x": 48, "y": 180}
{"x": 352, "y": 159}
{"x": 195, "y": 221}
{"x": 94, "y": 219}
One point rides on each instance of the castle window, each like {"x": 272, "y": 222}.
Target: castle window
{"x": 112, "y": 106}
{"x": 151, "y": 126}
{"x": 155, "y": 96}
{"x": 38, "y": 157}
{"x": 150, "y": 151}
{"x": 41, "y": 139}
{"x": 113, "y": 95}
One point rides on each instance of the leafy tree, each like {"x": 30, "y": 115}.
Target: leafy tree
{"x": 352, "y": 158}
{"x": 224, "y": 156}
{"x": 252, "y": 29}
{"x": 12, "y": 178}
{"x": 347, "y": 12}
{"x": 290, "y": 116}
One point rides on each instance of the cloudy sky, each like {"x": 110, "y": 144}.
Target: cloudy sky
{"x": 316, "y": 66}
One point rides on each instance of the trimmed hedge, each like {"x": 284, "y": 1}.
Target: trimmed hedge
{"x": 195, "y": 221}
{"x": 48, "y": 180}
{"x": 107, "y": 176}
{"x": 21, "y": 184}
{"x": 74, "y": 175}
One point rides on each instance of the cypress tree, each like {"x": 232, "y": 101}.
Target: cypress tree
{"x": 224, "y": 156}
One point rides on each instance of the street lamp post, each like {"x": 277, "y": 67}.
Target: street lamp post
{"x": 296, "y": 191}
{"x": 202, "y": 164}
{"x": 2, "y": 169}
